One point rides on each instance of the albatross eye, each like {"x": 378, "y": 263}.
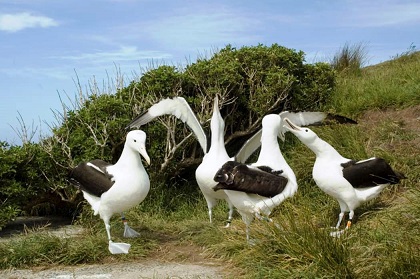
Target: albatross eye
{"x": 135, "y": 140}
{"x": 306, "y": 130}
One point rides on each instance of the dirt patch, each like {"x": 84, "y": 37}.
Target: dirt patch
{"x": 174, "y": 251}
{"x": 401, "y": 121}
{"x": 409, "y": 116}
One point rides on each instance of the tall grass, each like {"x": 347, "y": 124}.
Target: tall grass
{"x": 296, "y": 246}
{"x": 350, "y": 58}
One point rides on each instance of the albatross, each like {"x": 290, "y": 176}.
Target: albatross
{"x": 111, "y": 189}
{"x": 217, "y": 155}
{"x": 256, "y": 189}
{"x": 214, "y": 157}
{"x": 350, "y": 182}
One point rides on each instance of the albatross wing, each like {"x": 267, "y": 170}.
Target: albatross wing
{"x": 369, "y": 173}
{"x": 92, "y": 177}
{"x": 240, "y": 177}
{"x": 177, "y": 107}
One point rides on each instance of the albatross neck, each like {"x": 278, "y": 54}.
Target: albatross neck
{"x": 322, "y": 148}
{"x": 128, "y": 158}
{"x": 218, "y": 142}
{"x": 269, "y": 146}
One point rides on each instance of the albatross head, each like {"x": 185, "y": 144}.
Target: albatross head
{"x": 136, "y": 140}
{"x": 305, "y": 135}
{"x": 271, "y": 122}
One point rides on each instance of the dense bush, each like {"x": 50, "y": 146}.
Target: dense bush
{"x": 20, "y": 180}
{"x": 251, "y": 82}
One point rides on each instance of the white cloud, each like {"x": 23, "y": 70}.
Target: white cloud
{"x": 124, "y": 53}
{"x": 19, "y": 21}
{"x": 221, "y": 26}
{"x": 201, "y": 29}
{"x": 25, "y": 72}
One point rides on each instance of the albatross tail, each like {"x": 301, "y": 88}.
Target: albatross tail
{"x": 93, "y": 201}
{"x": 366, "y": 194}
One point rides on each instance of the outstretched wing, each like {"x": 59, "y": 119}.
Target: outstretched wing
{"x": 177, "y": 107}
{"x": 303, "y": 118}
{"x": 92, "y": 177}
{"x": 312, "y": 118}
{"x": 249, "y": 147}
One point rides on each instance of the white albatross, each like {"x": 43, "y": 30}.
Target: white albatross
{"x": 350, "y": 182}
{"x": 213, "y": 158}
{"x": 260, "y": 198}
{"x": 111, "y": 189}
{"x": 217, "y": 155}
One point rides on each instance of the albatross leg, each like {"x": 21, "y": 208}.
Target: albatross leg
{"x": 267, "y": 219}
{"x": 339, "y": 233}
{"x": 351, "y": 214}
{"x": 210, "y": 215}
{"x": 340, "y": 219}
{"x": 343, "y": 208}
{"x": 247, "y": 234}
{"x": 128, "y": 231}
{"x": 210, "y": 204}
{"x": 229, "y": 221}
{"x": 247, "y": 219}
{"x": 113, "y": 247}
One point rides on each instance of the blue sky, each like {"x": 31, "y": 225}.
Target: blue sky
{"x": 46, "y": 45}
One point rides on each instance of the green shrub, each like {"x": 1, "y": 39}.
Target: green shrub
{"x": 20, "y": 180}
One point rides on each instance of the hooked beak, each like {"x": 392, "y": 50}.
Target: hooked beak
{"x": 290, "y": 126}
{"x": 219, "y": 177}
{"x": 145, "y": 155}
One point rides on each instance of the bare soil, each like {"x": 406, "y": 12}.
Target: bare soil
{"x": 408, "y": 120}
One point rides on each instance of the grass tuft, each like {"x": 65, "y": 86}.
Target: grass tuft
{"x": 350, "y": 58}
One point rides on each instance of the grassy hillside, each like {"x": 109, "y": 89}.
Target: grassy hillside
{"x": 384, "y": 241}
{"x": 392, "y": 84}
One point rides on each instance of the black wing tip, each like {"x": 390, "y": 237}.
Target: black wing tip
{"x": 340, "y": 119}
{"x": 74, "y": 182}
{"x": 330, "y": 118}
{"x": 400, "y": 175}
{"x": 133, "y": 124}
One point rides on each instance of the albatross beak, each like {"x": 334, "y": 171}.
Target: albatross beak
{"x": 145, "y": 155}
{"x": 290, "y": 126}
